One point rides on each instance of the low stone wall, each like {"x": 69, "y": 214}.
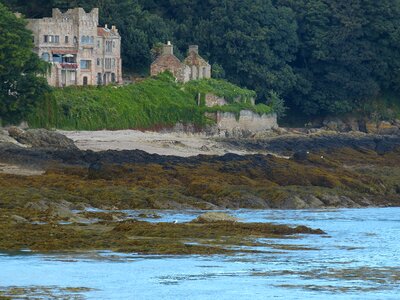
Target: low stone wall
{"x": 248, "y": 121}
{"x": 213, "y": 100}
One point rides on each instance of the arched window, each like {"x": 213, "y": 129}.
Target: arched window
{"x": 46, "y": 56}
{"x": 85, "y": 80}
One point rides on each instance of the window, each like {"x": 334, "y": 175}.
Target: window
{"x": 112, "y": 77}
{"x": 108, "y": 63}
{"x": 66, "y": 40}
{"x": 113, "y": 63}
{"x": 75, "y": 40}
{"x": 108, "y": 46}
{"x": 46, "y": 56}
{"x": 85, "y": 81}
{"x": 53, "y": 39}
{"x": 57, "y": 58}
{"x": 85, "y": 64}
{"x": 98, "y": 44}
{"x": 73, "y": 76}
{"x": 98, "y": 62}
{"x": 99, "y": 78}
{"x": 85, "y": 39}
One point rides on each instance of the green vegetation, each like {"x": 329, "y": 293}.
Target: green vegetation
{"x": 323, "y": 57}
{"x": 385, "y": 107}
{"x": 154, "y": 103}
{"x": 220, "y": 88}
{"x": 20, "y": 85}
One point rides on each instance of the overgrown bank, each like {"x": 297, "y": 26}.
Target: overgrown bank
{"x": 152, "y": 103}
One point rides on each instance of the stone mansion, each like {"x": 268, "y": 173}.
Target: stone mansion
{"x": 80, "y": 52}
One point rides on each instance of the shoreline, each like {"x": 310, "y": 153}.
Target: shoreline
{"x": 291, "y": 171}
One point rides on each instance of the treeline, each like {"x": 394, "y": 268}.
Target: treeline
{"x": 321, "y": 56}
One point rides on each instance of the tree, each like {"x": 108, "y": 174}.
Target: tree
{"x": 349, "y": 52}
{"x": 20, "y": 82}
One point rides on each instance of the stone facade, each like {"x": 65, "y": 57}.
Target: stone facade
{"x": 192, "y": 68}
{"x": 80, "y": 52}
{"x": 248, "y": 121}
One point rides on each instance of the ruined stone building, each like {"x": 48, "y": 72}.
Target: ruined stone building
{"x": 192, "y": 68}
{"x": 80, "y": 52}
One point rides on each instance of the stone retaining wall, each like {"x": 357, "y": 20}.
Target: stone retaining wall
{"x": 248, "y": 121}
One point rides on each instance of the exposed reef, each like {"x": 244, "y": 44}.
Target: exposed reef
{"x": 306, "y": 172}
{"x": 48, "y": 230}
{"x": 52, "y": 209}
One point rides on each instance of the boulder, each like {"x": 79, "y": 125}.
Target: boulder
{"x": 215, "y": 217}
{"x": 18, "y": 219}
{"x": 371, "y": 127}
{"x": 38, "y": 206}
{"x": 334, "y": 124}
{"x": 294, "y": 202}
{"x": 61, "y": 212}
{"x": 301, "y": 155}
{"x": 387, "y": 128}
{"x": 41, "y": 138}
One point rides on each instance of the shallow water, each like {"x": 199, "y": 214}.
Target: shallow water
{"x": 358, "y": 259}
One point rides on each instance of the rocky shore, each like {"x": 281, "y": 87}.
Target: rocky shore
{"x": 57, "y": 197}
{"x": 303, "y": 171}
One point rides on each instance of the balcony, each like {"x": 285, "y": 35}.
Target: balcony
{"x": 66, "y": 65}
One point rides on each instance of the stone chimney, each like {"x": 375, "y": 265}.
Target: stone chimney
{"x": 114, "y": 28}
{"x": 168, "y": 49}
{"x": 194, "y": 48}
{"x": 56, "y": 13}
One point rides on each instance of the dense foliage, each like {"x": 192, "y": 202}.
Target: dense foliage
{"x": 153, "y": 103}
{"x": 321, "y": 56}
{"x": 20, "y": 87}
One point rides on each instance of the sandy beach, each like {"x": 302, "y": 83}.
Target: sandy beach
{"x": 177, "y": 144}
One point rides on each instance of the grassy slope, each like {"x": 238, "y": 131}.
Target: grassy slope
{"x": 155, "y": 102}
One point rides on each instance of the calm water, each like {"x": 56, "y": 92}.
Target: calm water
{"x": 359, "y": 259}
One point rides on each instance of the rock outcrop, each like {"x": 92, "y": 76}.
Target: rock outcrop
{"x": 41, "y": 138}
{"x": 215, "y": 217}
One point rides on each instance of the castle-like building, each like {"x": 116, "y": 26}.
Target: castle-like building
{"x": 80, "y": 52}
{"x": 192, "y": 68}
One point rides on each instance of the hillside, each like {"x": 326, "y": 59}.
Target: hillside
{"x": 153, "y": 103}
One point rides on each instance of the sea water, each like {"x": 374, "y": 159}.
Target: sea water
{"x": 359, "y": 258}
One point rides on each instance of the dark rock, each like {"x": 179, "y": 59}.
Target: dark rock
{"x": 95, "y": 171}
{"x": 384, "y": 146}
{"x": 301, "y": 155}
{"x": 41, "y": 138}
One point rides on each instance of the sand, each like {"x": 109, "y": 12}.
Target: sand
{"x": 178, "y": 144}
